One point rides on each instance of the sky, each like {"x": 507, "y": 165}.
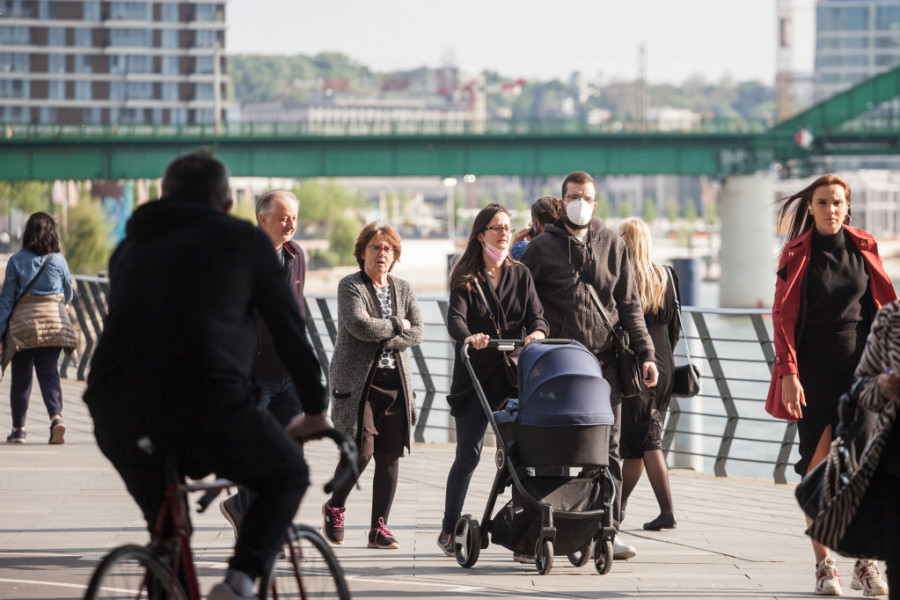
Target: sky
{"x": 530, "y": 39}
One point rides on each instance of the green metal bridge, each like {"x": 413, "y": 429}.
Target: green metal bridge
{"x": 837, "y": 127}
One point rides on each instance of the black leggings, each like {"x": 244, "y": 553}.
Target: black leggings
{"x": 384, "y": 485}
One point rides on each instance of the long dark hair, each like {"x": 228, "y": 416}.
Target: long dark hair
{"x": 471, "y": 262}
{"x": 799, "y": 203}
{"x": 41, "y": 235}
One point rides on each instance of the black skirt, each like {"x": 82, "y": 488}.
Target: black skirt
{"x": 826, "y": 359}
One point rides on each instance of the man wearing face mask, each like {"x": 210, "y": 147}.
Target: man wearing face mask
{"x": 579, "y": 251}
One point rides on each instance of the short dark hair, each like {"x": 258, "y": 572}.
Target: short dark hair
{"x": 545, "y": 210}
{"x": 576, "y": 177}
{"x": 370, "y": 232}
{"x": 41, "y": 235}
{"x": 196, "y": 177}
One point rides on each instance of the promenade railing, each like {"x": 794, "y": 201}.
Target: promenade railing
{"x": 724, "y": 429}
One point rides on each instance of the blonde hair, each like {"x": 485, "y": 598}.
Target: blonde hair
{"x": 650, "y": 277}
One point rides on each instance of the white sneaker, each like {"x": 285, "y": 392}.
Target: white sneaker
{"x": 223, "y": 591}
{"x": 867, "y": 578}
{"x": 621, "y": 550}
{"x": 827, "y": 582}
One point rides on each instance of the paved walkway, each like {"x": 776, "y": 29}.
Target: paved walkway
{"x": 63, "y": 507}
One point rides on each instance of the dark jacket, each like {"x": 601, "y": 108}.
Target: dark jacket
{"x": 180, "y": 334}
{"x": 788, "y": 301}
{"x": 562, "y": 265}
{"x": 518, "y": 311}
{"x": 266, "y": 364}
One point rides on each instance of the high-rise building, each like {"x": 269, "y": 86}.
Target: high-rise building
{"x": 98, "y": 62}
{"x": 855, "y": 40}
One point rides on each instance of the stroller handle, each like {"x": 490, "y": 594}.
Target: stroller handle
{"x": 508, "y": 345}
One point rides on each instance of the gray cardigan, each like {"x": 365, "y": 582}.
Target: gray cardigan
{"x": 360, "y": 341}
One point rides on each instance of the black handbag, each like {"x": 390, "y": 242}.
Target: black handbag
{"x": 631, "y": 380}
{"x": 685, "y": 378}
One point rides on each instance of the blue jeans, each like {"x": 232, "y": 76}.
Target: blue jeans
{"x": 280, "y": 398}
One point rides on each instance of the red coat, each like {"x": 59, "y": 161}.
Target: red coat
{"x": 786, "y": 307}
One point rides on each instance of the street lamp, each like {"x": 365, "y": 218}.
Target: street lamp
{"x": 450, "y": 184}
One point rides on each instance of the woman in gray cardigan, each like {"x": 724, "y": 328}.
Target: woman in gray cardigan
{"x": 372, "y": 397}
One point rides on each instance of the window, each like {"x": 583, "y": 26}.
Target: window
{"x": 887, "y": 18}
{"x": 91, "y": 11}
{"x": 15, "y": 35}
{"x": 15, "y": 9}
{"x": 178, "y": 116}
{"x": 205, "y": 38}
{"x": 139, "y": 63}
{"x": 157, "y": 116}
{"x": 204, "y": 64}
{"x": 84, "y": 63}
{"x": 117, "y": 90}
{"x": 203, "y": 91}
{"x": 170, "y": 92}
{"x": 16, "y": 114}
{"x": 170, "y": 13}
{"x": 842, "y": 18}
{"x": 170, "y": 65}
{"x": 204, "y": 116}
{"x": 206, "y": 12}
{"x": 84, "y": 37}
{"x": 57, "y": 90}
{"x": 56, "y": 63}
{"x": 15, "y": 88}
{"x": 47, "y": 9}
{"x": 888, "y": 60}
{"x": 15, "y": 62}
{"x": 91, "y": 116}
{"x": 169, "y": 38}
{"x": 56, "y": 36}
{"x": 130, "y": 11}
{"x": 47, "y": 115}
{"x": 142, "y": 90}
{"x": 131, "y": 37}
{"x": 83, "y": 90}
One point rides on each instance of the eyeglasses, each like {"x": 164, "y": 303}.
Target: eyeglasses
{"x": 380, "y": 249}
{"x": 500, "y": 228}
{"x": 577, "y": 197}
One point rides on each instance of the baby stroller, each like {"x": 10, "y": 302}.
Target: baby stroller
{"x": 562, "y": 418}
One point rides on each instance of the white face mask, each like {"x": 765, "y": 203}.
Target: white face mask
{"x": 580, "y": 212}
{"x": 495, "y": 253}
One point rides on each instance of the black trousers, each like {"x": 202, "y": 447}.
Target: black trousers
{"x": 237, "y": 441}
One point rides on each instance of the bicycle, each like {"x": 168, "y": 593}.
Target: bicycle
{"x": 306, "y": 568}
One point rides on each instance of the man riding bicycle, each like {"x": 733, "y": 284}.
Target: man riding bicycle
{"x": 170, "y": 379}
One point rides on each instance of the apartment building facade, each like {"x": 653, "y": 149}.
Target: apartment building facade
{"x": 98, "y": 62}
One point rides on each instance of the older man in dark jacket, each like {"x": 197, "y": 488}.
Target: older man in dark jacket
{"x": 171, "y": 378}
{"x": 576, "y": 252}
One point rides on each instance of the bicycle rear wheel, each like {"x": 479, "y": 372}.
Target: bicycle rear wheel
{"x": 133, "y": 573}
{"x": 307, "y": 569}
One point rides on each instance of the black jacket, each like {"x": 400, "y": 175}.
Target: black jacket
{"x": 518, "y": 311}
{"x": 562, "y": 265}
{"x": 181, "y": 329}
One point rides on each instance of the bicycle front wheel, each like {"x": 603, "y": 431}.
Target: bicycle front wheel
{"x": 133, "y": 573}
{"x": 306, "y": 569}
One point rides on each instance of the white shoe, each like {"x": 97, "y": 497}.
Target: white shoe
{"x": 621, "y": 550}
{"x": 867, "y": 578}
{"x": 827, "y": 582}
{"x": 223, "y": 591}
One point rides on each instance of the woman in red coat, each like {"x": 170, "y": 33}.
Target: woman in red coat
{"x": 830, "y": 283}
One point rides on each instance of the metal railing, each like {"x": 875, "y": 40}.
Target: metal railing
{"x": 724, "y": 429}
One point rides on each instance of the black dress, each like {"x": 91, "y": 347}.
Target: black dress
{"x": 643, "y": 416}
{"x": 835, "y": 317}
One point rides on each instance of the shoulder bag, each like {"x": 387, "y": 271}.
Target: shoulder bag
{"x": 685, "y": 378}
{"x": 631, "y": 380}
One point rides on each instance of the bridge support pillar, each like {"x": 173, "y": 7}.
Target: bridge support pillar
{"x": 747, "y": 262}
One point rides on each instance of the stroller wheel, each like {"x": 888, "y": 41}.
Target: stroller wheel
{"x": 582, "y": 557}
{"x": 543, "y": 556}
{"x": 603, "y": 556}
{"x": 467, "y": 541}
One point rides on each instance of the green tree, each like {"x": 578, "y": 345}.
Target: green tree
{"x": 672, "y": 210}
{"x": 604, "y": 210}
{"x": 650, "y": 212}
{"x": 625, "y": 210}
{"x": 86, "y": 239}
{"x": 690, "y": 211}
{"x": 28, "y": 196}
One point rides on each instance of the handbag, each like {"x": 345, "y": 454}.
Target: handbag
{"x": 510, "y": 369}
{"x": 685, "y": 378}
{"x": 631, "y": 380}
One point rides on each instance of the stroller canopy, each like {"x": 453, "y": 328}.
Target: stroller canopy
{"x": 562, "y": 384}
